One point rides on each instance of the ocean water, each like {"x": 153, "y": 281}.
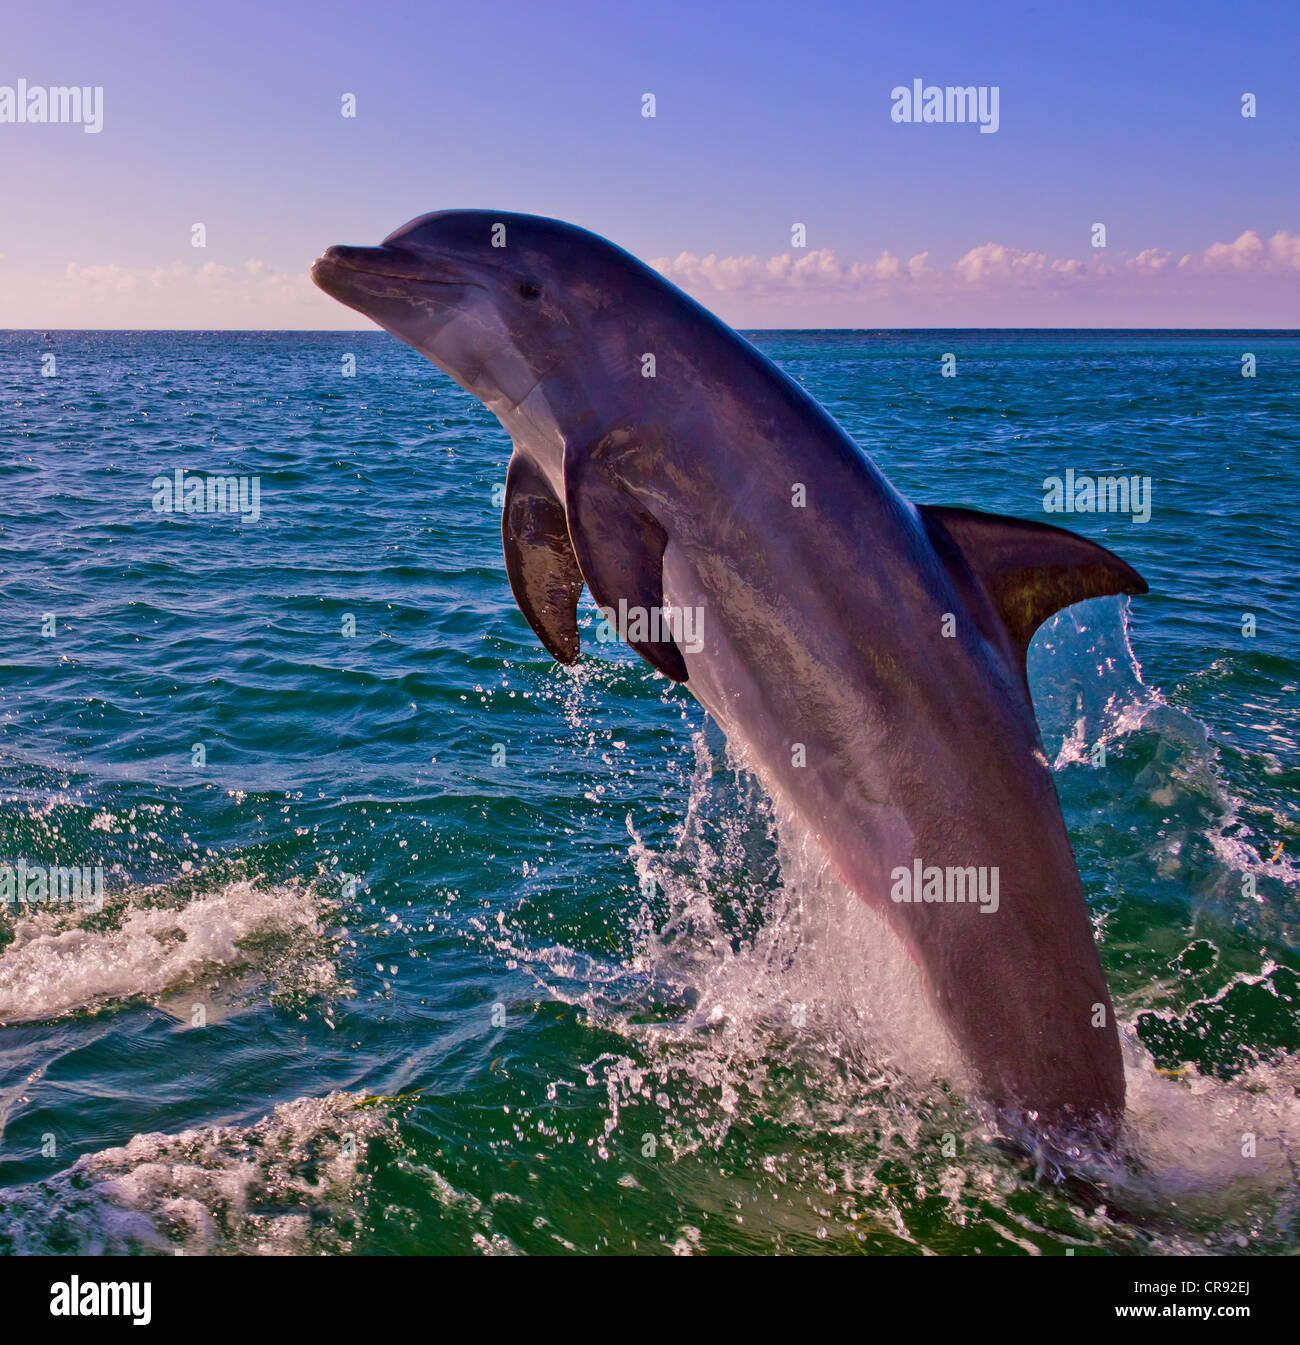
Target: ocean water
{"x": 438, "y": 947}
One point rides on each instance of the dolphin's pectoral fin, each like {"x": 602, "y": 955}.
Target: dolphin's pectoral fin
{"x": 1029, "y": 570}
{"x": 620, "y": 544}
{"x": 540, "y": 563}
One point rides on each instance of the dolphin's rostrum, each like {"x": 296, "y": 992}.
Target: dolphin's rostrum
{"x": 867, "y": 655}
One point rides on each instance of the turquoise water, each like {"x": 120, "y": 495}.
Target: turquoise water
{"x": 439, "y": 947}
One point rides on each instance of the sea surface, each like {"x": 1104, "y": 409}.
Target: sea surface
{"x": 413, "y": 942}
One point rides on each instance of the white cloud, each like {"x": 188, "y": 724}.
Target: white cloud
{"x": 817, "y": 271}
{"x": 989, "y": 268}
{"x": 1249, "y": 252}
{"x": 253, "y": 282}
{"x": 1284, "y": 250}
{"x": 111, "y": 277}
{"x": 212, "y": 293}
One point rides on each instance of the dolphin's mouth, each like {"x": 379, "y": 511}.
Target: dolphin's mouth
{"x": 387, "y": 262}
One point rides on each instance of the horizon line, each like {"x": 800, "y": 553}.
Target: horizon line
{"x": 377, "y": 331}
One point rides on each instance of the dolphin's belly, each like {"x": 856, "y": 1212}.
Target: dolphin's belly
{"x": 808, "y": 726}
{"x": 919, "y": 762}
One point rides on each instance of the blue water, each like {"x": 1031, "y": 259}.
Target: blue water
{"x": 436, "y": 946}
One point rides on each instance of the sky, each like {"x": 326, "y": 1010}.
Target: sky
{"x": 767, "y": 116}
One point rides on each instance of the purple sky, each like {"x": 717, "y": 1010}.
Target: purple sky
{"x": 767, "y": 116}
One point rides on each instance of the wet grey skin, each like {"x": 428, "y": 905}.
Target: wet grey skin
{"x": 880, "y": 642}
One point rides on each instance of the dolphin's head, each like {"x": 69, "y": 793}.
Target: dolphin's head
{"x": 501, "y": 302}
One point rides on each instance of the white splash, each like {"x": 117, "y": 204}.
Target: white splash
{"x": 294, "y": 1183}
{"x": 148, "y": 946}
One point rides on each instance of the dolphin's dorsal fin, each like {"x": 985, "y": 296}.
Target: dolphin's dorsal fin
{"x": 540, "y": 563}
{"x": 618, "y": 541}
{"x": 1028, "y": 570}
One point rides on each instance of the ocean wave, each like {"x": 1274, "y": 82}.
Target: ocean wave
{"x": 294, "y": 1183}
{"x": 149, "y": 944}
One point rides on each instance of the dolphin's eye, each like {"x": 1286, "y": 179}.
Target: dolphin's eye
{"x": 529, "y": 291}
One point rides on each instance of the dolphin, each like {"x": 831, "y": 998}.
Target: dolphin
{"x": 865, "y": 653}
